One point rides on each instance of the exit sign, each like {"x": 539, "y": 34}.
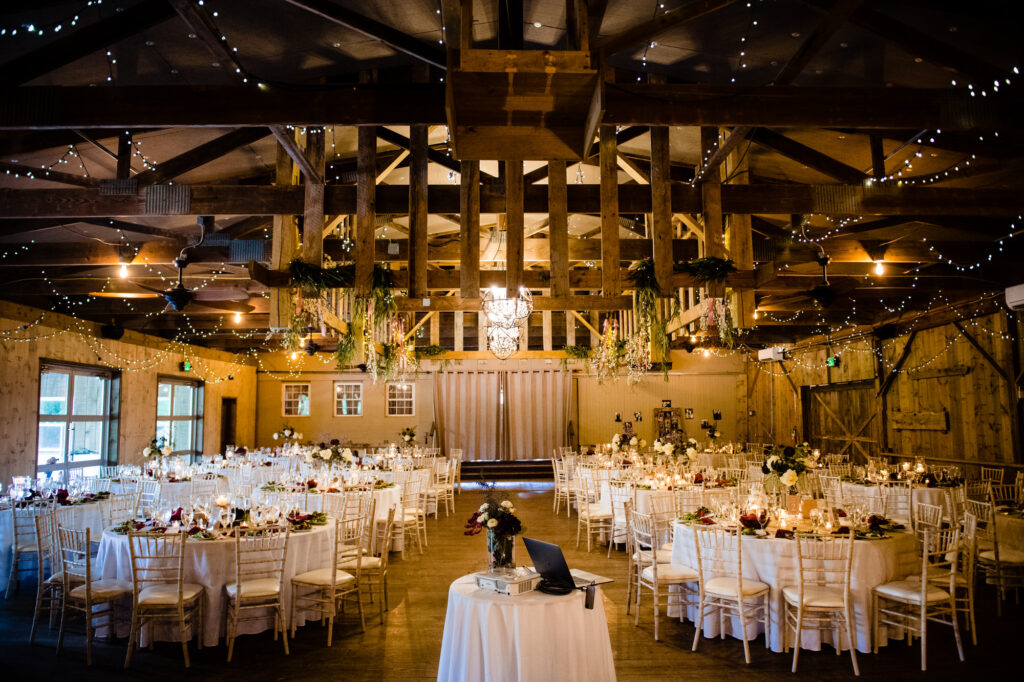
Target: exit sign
{"x": 185, "y": 366}
{"x": 832, "y": 361}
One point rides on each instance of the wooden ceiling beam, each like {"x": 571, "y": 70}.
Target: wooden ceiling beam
{"x": 83, "y": 41}
{"x": 287, "y": 141}
{"x": 49, "y": 174}
{"x": 807, "y": 156}
{"x": 645, "y": 32}
{"x": 456, "y": 303}
{"x": 392, "y": 37}
{"x": 201, "y": 155}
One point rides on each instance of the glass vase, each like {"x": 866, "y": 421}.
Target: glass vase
{"x": 501, "y": 551}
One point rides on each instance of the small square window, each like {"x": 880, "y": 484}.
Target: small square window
{"x": 401, "y": 400}
{"x": 296, "y": 400}
{"x": 348, "y": 399}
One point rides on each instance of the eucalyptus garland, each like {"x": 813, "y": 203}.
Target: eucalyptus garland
{"x": 346, "y": 351}
{"x": 380, "y": 302}
{"x": 574, "y": 353}
{"x": 431, "y": 351}
{"x": 704, "y": 270}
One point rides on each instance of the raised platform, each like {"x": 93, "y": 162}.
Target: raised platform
{"x": 520, "y": 470}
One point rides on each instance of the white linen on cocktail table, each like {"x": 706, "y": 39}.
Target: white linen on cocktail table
{"x": 774, "y": 562}
{"x": 490, "y": 637}
{"x": 211, "y": 563}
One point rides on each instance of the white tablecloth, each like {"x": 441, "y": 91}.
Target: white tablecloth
{"x": 535, "y": 637}
{"x": 212, "y": 564}
{"x": 774, "y": 562}
{"x": 922, "y": 494}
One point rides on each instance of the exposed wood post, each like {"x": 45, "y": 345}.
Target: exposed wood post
{"x": 469, "y": 203}
{"x": 459, "y": 330}
{"x": 877, "y": 157}
{"x": 711, "y": 195}
{"x": 366, "y": 208}
{"x": 435, "y": 329}
{"x": 558, "y": 228}
{"x": 661, "y": 207}
{"x": 546, "y": 321}
{"x": 481, "y": 331}
{"x": 524, "y": 335}
{"x": 313, "y": 213}
{"x": 418, "y": 211}
{"x": 609, "y": 213}
{"x": 741, "y": 245}
{"x": 570, "y": 328}
{"x": 898, "y": 365}
{"x": 284, "y": 243}
{"x": 124, "y": 155}
{"x": 514, "y": 226}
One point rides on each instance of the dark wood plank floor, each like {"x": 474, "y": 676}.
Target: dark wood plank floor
{"x": 408, "y": 645}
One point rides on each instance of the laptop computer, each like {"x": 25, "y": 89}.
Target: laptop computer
{"x": 556, "y": 578}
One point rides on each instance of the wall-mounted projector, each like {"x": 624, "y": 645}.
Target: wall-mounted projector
{"x": 1015, "y": 297}
{"x": 770, "y": 354}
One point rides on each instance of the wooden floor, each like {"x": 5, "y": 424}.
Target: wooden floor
{"x": 408, "y": 645}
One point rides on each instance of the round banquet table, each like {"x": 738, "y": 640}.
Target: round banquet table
{"x": 1010, "y": 531}
{"x": 774, "y": 562}
{"x": 385, "y": 498}
{"x": 533, "y": 637}
{"x": 644, "y": 495}
{"x": 211, "y": 563}
{"x": 922, "y": 494}
{"x": 176, "y": 494}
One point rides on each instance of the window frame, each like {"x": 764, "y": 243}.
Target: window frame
{"x": 109, "y": 416}
{"x": 388, "y": 399}
{"x": 195, "y": 415}
{"x": 361, "y": 398}
{"x": 284, "y": 398}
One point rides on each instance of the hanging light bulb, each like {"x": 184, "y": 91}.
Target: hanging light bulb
{"x": 879, "y": 268}
{"x": 294, "y": 355}
{"x": 707, "y": 353}
{"x": 122, "y": 272}
{"x": 238, "y": 317}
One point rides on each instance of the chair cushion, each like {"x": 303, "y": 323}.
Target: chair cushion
{"x": 815, "y": 596}
{"x": 367, "y": 562}
{"x": 676, "y": 573}
{"x": 660, "y": 555}
{"x": 166, "y": 594}
{"x": 596, "y": 511}
{"x": 322, "y": 576}
{"x": 102, "y": 590}
{"x": 257, "y": 588}
{"x": 1006, "y": 556}
{"x": 58, "y": 579}
{"x": 727, "y": 587}
{"x": 910, "y": 591}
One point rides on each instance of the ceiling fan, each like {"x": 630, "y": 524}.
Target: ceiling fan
{"x": 180, "y": 297}
{"x": 824, "y": 294}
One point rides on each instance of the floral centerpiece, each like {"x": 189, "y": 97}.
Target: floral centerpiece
{"x": 788, "y": 463}
{"x": 333, "y": 453}
{"x": 502, "y": 525}
{"x": 288, "y": 435}
{"x": 157, "y": 448}
{"x": 408, "y": 435}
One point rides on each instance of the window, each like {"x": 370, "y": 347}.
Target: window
{"x": 296, "y": 400}
{"x": 78, "y": 418}
{"x": 348, "y": 399}
{"x": 179, "y": 415}
{"x": 401, "y": 400}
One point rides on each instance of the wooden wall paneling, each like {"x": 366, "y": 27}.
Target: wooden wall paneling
{"x": 366, "y": 208}
{"x": 469, "y": 219}
{"x": 514, "y": 224}
{"x": 610, "y": 253}
{"x": 313, "y": 207}
{"x": 570, "y": 329}
{"x": 546, "y": 318}
{"x": 418, "y": 211}
{"x": 435, "y": 329}
{"x": 481, "y": 331}
{"x": 558, "y": 228}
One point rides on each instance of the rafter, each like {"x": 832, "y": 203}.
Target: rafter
{"x": 803, "y": 154}
{"x": 201, "y": 155}
{"x": 648, "y": 30}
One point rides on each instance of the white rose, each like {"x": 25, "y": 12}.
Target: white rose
{"x": 481, "y": 518}
{"x": 298, "y": 436}
{"x": 616, "y": 439}
{"x": 668, "y": 448}
{"x": 691, "y": 440}
{"x": 506, "y": 504}
{"x": 483, "y": 507}
{"x": 789, "y": 478}
{"x": 492, "y": 523}
{"x": 275, "y": 436}
{"x": 147, "y": 452}
{"x": 325, "y": 454}
{"x": 690, "y": 452}
{"x": 347, "y": 454}
{"x": 772, "y": 460}
{"x": 407, "y": 438}
{"x": 287, "y": 433}
{"x": 166, "y": 450}
{"x": 633, "y": 441}
{"x": 718, "y": 434}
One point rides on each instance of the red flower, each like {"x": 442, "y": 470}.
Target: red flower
{"x": 698, "y": 478}
{"x": 311, "y": 484}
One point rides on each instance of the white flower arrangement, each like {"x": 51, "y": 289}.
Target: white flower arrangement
{"x": 491, "y": 523}
{"x": 158, "y": 447}
{"x": 789, "y": 478}
{"x": 634, "y": 441}
{"x": 616, "y": 439}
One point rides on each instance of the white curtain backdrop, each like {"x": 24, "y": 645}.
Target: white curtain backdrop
{"x": 503, "y": 415}
{"x": 537, "y": 405}
{"x": 470, "y": 413}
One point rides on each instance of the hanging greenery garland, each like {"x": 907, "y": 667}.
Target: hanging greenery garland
{"x": 574, "y": 353}
{"x": 646, "y": 292}
{"x": 301, "y": 322}
{"x": 706, "y": 270}
{"x": 346, "y": 351}
{"x": 316, "y": 278}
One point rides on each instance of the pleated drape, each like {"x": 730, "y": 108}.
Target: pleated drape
{"x": 502, "y": 415}
{"x": 536, "y": 412}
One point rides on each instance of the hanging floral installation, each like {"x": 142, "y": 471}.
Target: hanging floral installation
{"x": 345, "y": 353}
{"x": 638, "y": 356}
{"x": 718, "y": 318}
{"x": 606, "y": 360}
{"x": 396, "y": 359}
{"x": 712, "y": 272}
{"x": 653, "y": 326}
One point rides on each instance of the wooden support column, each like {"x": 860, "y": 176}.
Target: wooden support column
{"x": 366, "y": 208}
{"x": 469, "y": 204}
{"x": 570, "y": 328}
{"x": 741, "y": 244}
{"x": 481, "y": 331}
{"x": 661, "y": 207}
{"x": 418, "y": 211}
{"x": 558, "y": 228}
{"x": 877, "y": 157}
{"x": 711, "y": 195}
{"x": 459, "y": 330}
{"x": 124, "y": 155}
{"x": 546, "y": 321}
{"x": 514, "y": 226}
{"x": 610, "y": 258}
{"x": 284, "y": 243}
{"x": 313, "y": 212}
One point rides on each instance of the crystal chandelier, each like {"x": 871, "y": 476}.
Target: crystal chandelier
{"x": 505, "y": 312}
{"x": 503, "y": 342}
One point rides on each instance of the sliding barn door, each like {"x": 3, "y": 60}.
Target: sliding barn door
{"x": 842, "y": 419}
